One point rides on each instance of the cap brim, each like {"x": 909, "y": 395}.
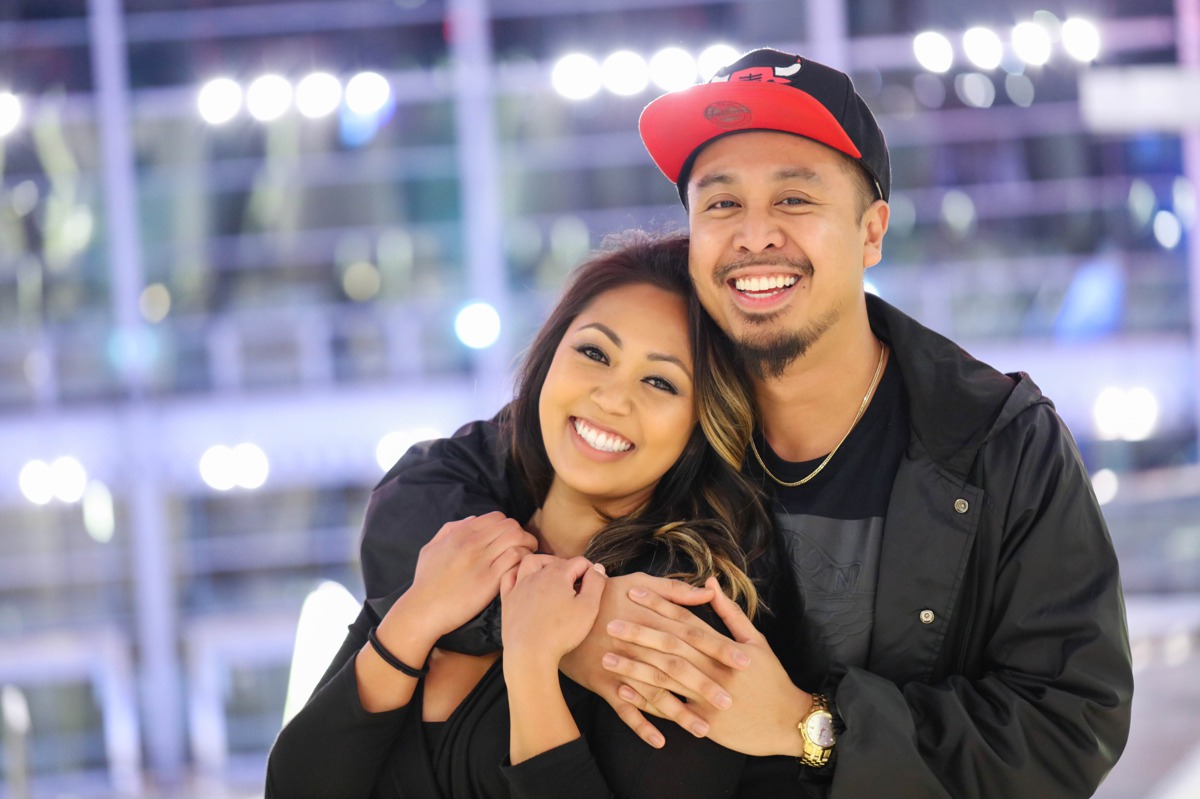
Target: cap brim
{"x": 675, "y": 125}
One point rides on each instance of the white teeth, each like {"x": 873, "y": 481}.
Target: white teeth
{"x": 605, "y": 442}
{"x": 764, "y": 283}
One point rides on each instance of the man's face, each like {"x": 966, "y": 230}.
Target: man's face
{"x": 778, "y": 248}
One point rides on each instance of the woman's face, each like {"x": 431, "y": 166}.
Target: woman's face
{"x": 618, "y": 405}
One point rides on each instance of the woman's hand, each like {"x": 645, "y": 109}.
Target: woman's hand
{"x": 458, "y": 572}
{"x": 543, "y": 615}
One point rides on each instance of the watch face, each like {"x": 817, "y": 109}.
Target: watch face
{"x": 820, "y": 730}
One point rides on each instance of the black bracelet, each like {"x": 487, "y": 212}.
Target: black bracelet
{"x": 393, "y": 661}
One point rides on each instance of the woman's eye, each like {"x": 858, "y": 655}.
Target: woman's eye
{"x": 592, "y": 352}
{"x": 662, "y": 385}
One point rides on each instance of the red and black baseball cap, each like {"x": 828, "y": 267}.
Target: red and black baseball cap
{"x": 765, "y": 90}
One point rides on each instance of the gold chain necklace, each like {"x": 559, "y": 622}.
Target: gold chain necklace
{"x": 858, "y": 416}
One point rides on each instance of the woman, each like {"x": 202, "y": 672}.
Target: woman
{"x": 628, "y": 427}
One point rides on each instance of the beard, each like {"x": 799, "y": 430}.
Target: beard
{"x": 768, "y": 354}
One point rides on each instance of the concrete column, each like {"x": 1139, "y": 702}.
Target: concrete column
{"x": 154, "y": 596}
{"x": 479, "y": 188}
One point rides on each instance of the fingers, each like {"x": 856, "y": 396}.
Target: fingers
{"x": 507, "y": 581}
{"x": 661, "y": 702}
{"x": 635, "y": 721}
{"x": 681, "y": 627}
{"x": 591, "y": 589}
{"x": 740, "y": 627}
{"x": 675, "y": 591}
{"x": 668, "y": 674}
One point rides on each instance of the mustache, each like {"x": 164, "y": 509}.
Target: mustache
{"x": 801, "y": 265}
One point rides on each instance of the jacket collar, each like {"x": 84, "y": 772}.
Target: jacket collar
{"x": 955, "y": 401}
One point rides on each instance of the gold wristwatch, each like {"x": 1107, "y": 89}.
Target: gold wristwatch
{"x": 816, "y": 730}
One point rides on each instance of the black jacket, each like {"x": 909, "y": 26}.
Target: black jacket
{"x": 999, "y": 662}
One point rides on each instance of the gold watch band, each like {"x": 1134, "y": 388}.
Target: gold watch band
{"x": 816, "y": 732}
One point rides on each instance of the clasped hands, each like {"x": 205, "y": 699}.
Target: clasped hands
{"x": 659, "y": 657}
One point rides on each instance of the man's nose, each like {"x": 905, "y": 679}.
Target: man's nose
{"x": 760, "y": 231}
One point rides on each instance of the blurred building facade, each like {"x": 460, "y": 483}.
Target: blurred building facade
{"x": 223, "y": 314}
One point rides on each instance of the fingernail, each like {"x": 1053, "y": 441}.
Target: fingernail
{"x": 627, "y": 693}
{"x": 657, "y": 741}
{"x": 741, "y": 658}
{"x": 700, "y": 729}
{"x": 638, "y": 593}
{"x": 724, "y": 700}
{"x": 609, "y": 660}
{"x": 616, "y": 627}
{"x": 599, "y": 567}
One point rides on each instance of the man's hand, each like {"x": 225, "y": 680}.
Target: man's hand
{"x": 583, "y": 664}
{"x": 459, "y": 570}
{"x": 736, "y": 685}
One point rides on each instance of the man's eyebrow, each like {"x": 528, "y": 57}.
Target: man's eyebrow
{"x": 787, "y": 173}
{"x": 799, "y": 173}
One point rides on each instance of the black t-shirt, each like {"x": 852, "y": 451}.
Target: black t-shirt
{"x": 831, "y": 531}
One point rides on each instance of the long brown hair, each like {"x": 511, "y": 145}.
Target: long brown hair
{"x": 704, "y": 518}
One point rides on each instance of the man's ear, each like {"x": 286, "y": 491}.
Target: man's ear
{"x": 874, "y": 225}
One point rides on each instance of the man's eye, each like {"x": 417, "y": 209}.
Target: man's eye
{"x": 794, "y": 201}
{"x": 592, "y": 352}
{"x": 662, "y": 384}
{"x": 721, "y": 205}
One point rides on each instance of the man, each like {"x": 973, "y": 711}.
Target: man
{"x": 963, "y": 630}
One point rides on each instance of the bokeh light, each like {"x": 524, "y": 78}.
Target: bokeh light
{"x": 477, "y": 325}
{"x": 10, "y": 113}
{"x": 269, "y": 97}
{"x": 933, "y": 51}
{"x": 367, "y": 93}
{"x": 625, "y": 73}
{"x": 318, "y": 95}
{"x": 1081, "y": 39}
{"x": 219, "y": 100}
{"x": 673, "y": 68}
{"x": 576, "y": 76}
{"x": 983, "y": 47}
{"x": 1031, "y": 42}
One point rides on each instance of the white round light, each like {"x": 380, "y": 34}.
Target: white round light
{"x": 1081, "y": 39}
{"x": 477, "y": 325}
{"x": 393, "y": 445}
{"x": 219, "y": 101}
{"x": 1141, "y": 414}
{"x": 983, "y": 47}
{"x": 98, "y": 517}
{"x": 68, "y": 479}
{"x": 367, "y": 93}
{"x": 1183, "y": 197}
{"x": 1031, "y": 42}
{"x": 268, "y": 97}
{"x": 576, "y": 76}
{"x": 37, "y": 482}
{"x": 933, "y": 51}
{"x": 673, "y": 68}
{"x": 1019, "y": 89}
{"x": 1168, "y": 231}
{"x": 318, "y": 95}
{"x": 975, "y": 89}
{"x": 10, "y": 113}
{"x": 217, "y": 468}
{"x": 625, "y": 73}
{"x": 250, "y": 466}
{"x": 714, "y": 57}
{"x": 1106, "y": 485}
{"x": 1130, "y": 415}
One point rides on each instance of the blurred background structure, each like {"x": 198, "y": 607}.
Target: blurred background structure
{"x": 250, "y": 250}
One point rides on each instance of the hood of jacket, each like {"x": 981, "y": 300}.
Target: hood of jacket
{"x": 956, "y": 403}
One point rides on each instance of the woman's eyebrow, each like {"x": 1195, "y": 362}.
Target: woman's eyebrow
{"x": 605, "y": 329}
{"x": 653, "y": 356}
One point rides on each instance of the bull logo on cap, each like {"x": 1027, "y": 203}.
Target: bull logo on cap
{"x": 761, "y": 74}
